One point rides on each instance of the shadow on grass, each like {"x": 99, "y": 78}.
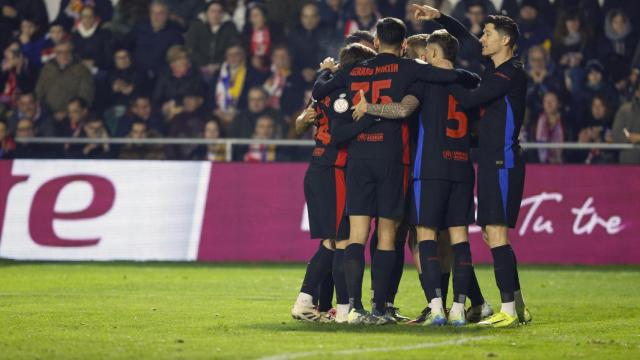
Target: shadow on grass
{"x": 344, "y": 328}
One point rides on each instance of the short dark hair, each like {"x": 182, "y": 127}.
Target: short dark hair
{"x": 447, "y": 42}
{"x": 358, "y": 36}
{"x": 355, "y": 53}
{"x": 506, "y": 26}
{"x": 81, "y": 101}
{"x": 391, "y": 31}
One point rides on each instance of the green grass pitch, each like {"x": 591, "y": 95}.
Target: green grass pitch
{"x": 202, "y": 311}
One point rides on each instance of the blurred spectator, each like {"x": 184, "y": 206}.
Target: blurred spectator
{"x": 184, "y": 11}
{"x": 331, "y": 13}
{"x": 628, "y": 7}
{"x": 93, "y": 128}
{"x": 90, "y": 41}
{"x": 238, "y": 10}
{"x": 63, "y": 79}
{"x": 209, "y": 40}
{"x": 212, "y": 152}
{"x": 140, "y": 110}
{"x": 618, "y": 43}
{"x": 596, "y": 130}
{"x": 24, "y": 129}
{"x": 365, "y": 17}
{"x": 259, "y": 36}
{"x": 232, "y": 84}
{"x": 244, "y": 124}
{"x": 285, "y": 88}
{"x": 31, "y": 42}
{"x": 542, "y": 79}
{"x": 544, "y": 9}
{"x": 533, "y": 30}
{"x": 587, "y": 10}
{"x": 70, "y": 11}
{"x": 572, "y": 41}
{"x": 309, "y": 42}
{"x": 393, "y": 8}
{"x": 626, "y": 128}
{"x": 126, "y": 15}
{"x": 29, "y": 108}
{"x": 462, "y": 13}
{"x": 187, "y": 124}
{"x": 476, "y": 13}
{"x": 549, "y": 129}
{"x": 17, "y": 76}
{"x": 152, "y": 38}
{"x": 124, "y": 80}
{"x": 179, "y": 78}
{"x": 7, "y": 145}
{"x": 594, "y": 83}
{"x": 264, "y": 130}
{"x": 77, "y": 115}
{"x": 57, "y": 34}
{"x": 12, "y": 12}
{"x": 132, "y": 151}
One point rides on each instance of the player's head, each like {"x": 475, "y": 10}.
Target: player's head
{"x": 390, "y": 34}
{"x": 417, "y": 46}
{"x": 360, "y": 37}
{"x": 355, "y": 53}
{"x": 441, "y": 46}
{"x": 500, "y": 34}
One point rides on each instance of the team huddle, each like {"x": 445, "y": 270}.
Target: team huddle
{"x": 395, "y": 126}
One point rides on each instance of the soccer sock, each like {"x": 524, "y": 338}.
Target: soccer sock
{"x": 342, "y": 294}
{"x": 383, "y": 261}
{"x": 325, "y": 293}
{"x": 353, "y": 271}
{"x": 475, "y": 295}
{"x": 319, "y": 266}
{"x": 430, "y": 264}
{"x": 423, "y": 284}
{"x": 517, "y": 293}
{"x": 504, "y": 266}
{"x": 398, "y": 269}
{"x": 462, "y": 274}
{"x": 444, "y": 286}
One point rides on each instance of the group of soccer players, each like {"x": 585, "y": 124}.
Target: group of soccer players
{"x": 393, "y": 143}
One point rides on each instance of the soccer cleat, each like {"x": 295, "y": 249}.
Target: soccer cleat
{"x": 458, "y": 319}
{"x": 378, "y": 318}
{"x": 435, "y": 319}
{"x": 328, "y": 317}
{"x": 394, "y": 312}
{"x": 423, "y": 316}
{"x": 357, "y": 316}
{"x": 305, "y": 312}
{"x": 500, "y": 320}
{"x": 342, "y": 318}
{"x": 476, "y": 313}
{"x": 524, "y": 316}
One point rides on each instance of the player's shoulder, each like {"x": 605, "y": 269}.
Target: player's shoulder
{"x": 511, "y": 70}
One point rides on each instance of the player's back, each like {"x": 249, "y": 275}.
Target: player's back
{"x": 333, "y": 111}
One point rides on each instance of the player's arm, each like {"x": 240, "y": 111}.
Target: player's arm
{"x": 495, "y": 86}
{"x": 326, "y": 83}
{"x": 399, "y": 110}
{"x": 305, "y": 119}
{"x": 345, "y": 131}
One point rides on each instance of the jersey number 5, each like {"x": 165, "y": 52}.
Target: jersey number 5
{"x": 459, "y": 117}
{"x": 376, "y": 87}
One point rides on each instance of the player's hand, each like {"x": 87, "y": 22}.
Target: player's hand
{"x": 329, "y": 63}
{"x": 309, "y": 115}
{"x": 360, "y": 109}
{"x": 425, "y": 12}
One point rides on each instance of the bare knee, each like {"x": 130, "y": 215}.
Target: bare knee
{"x": 387, "y": 234}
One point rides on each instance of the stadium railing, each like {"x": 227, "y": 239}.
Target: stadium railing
{"x": 230, "y": 143}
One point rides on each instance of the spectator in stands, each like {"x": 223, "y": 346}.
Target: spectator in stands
{"x": 546, "y": 13}
{"x": 476, "y": 13}
{"x": 124, "y": 81}
{"x": 597, "y": 130}
{"x": 543, "y": 78}
{"x": 285, "y": 88}
{"x": 393, "y": 8}
{"x": 31, "y": 42}
{"x": 92, "y": 43}
{"x": 626, "y": 128}
{"x": 462, "y": 13}
{"x": 187, "y": 124}
{"x": 550, "y": 129}
{"x": 93, "y": 128}
{"x": 29, "y": 108}
{"x": 265, "y": 130}
{"x": 331, "y": 13}
{"x": 232, "y": 83}
{"x": 365, "y": 17}
{"x": 174, "y": 82}
{"x": 7, "y": 145}
{"x": 184, "y": 11}
{"x": 63, "y": 79}
{"x": 594, "y": 84}
{"x": 57, "y": 34}
{"x": 77, "y": 115}
{"x": 259, "y": 36}
{"x": 587, "y": 10}
{"x": 309, "y": 42}
{"x": 628, "y": 7}
{"x": 16, "y": 77}
{"x": 70, "y": 11}
{"x": 618, "y": 43}
{"x": 132, "y": 151}
{"x": 572, "y": 41}
{"x": 208, "y": 40}
{"x": 211, "y": 152}
{"x": 126, "y": 14}
{"x": 244, "y": 124}
{"x": 140, "y": 110}
{"x": 152, "y": 38}
{"x": 533, "y": 30}
{"x": 23, "y": 150}
{"x": 12, "y": 12}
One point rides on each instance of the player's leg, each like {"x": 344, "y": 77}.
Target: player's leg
{"x": 445, "y": 253}
{"x": 317, "y": 269}
{"x": 342, "y": 294}
{"x": 383, "y": 262}
{"x": 462, "y": 273}
{"x": 431, "y": 273}
{"x": 401, "y": 237}
{"x": 354, "y": 265}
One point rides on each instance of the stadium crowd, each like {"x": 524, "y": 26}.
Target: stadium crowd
{"x": 240, "y": 69}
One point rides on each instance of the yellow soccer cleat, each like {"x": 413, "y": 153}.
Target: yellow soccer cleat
{"x": 500, "y": 320}
{"x": 524, "y": 316}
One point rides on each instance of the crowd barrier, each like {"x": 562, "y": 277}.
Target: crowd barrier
{"x": 233, "y": 212}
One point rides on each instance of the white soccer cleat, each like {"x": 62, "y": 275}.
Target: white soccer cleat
{"x": 305, "y": 312}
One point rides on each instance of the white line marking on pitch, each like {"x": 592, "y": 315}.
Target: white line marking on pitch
{"x": 288, "y": 356}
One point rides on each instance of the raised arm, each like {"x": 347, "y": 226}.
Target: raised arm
{"x": 326, "y": 84}
{"x": 305, "y": 119}
{"x": 493, "y": 87}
